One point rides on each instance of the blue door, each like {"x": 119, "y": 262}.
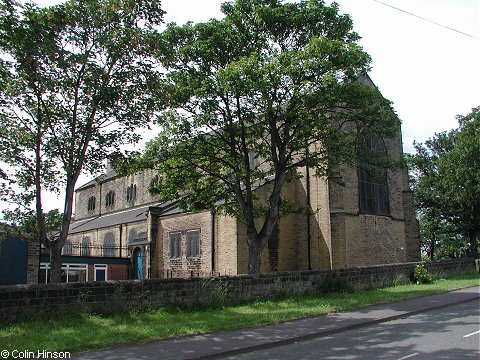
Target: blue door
{"x": 138, "y": 263}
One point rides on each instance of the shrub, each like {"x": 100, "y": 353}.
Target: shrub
{"x": 421, "y": 275}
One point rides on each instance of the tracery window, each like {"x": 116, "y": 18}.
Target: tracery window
{"x": 372, "y": 177}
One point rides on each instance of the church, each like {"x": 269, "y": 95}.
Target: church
{"x": 122, "y": 231}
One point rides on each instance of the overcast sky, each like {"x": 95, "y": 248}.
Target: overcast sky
{"x": 429, "y": 68}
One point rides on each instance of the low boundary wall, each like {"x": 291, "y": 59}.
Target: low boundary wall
{"x": 28, "y": 301}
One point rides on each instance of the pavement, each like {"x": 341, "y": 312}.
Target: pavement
{"x": 225, "y": 343}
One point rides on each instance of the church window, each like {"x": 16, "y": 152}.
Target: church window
{"x": 131, "y": 192}
{"x": 175, "y": 244}
{"x": 109, "y": 244}
{"x": 85, "y": 247}
{"x": 193, "y": 243}
{"x": 372, "y": 177}
{"x": 67, "y": 248}
{"x": 110, "y": 198}
{"x": 91, "y": 203}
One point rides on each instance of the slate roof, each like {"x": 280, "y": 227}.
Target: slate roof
{"x": 99, "y": 179}
{"x": 122, "y": 217}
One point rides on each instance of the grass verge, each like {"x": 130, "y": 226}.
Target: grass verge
{"x": 82, "y": 331}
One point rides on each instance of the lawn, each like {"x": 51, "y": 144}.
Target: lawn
{"x": 82, "y": 331}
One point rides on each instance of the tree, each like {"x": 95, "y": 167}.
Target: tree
{"x": 446, "y": 182}
{"x": 77, "y": 79}
{"x": 26, "y": 224}
{"x": 251, "y": 99}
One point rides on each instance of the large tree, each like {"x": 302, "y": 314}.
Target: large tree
{"x": 446, "y": 182}
{"x": 77, "y": 80}
{"x": 254, "y": 97}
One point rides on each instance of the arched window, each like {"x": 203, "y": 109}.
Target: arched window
{"x": 85, "y": 247}
{"x": 109, "y": 244}
{"x": 67, "y": 248}
{"x": 132, "y": 235}
{"x": 131, "y": 192}
{"x": 372, "y": 176}
{"x": 110, "y": 199}
{"x": 91, "y": 203}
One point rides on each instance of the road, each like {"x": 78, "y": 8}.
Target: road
{"x": 451, "y": 332}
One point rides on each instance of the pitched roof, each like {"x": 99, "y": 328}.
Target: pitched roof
{"x": 121, "y": 217}
{"x": 99, "y": 179}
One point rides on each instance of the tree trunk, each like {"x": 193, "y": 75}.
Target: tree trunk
{"x": 57, "y": 246}
{"x": 254, "y": 259}
{"x": 55, "y": 263}
{"x": 255, "y": 249}
{"x": 473, "y": 250}
{"x": 432, "y": 248}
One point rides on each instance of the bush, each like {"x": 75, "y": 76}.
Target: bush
{"x": 421, "y": 275}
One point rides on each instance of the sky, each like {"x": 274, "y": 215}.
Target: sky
{"x": 426, "y": 62}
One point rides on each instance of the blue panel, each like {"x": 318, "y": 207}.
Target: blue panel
{"x": 13, "y": 261}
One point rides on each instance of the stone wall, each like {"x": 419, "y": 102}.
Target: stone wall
{"x": 33, "y": 262}
{"x": 184, "y": 266}
{"x": 360, "y": 239}
{"x": 21, "y": 301}
{"x": 119, "y": 185}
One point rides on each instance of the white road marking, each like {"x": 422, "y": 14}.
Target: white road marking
{"x": 474, "y": 333}
{"x": 408, "y": 356}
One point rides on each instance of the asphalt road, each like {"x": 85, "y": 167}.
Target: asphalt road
{"x": 451, "y": 332}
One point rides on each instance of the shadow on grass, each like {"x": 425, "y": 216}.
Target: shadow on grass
{"x": 85, "y": 331}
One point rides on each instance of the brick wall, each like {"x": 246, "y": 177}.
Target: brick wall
{"x": 117, "y": 272}
{"x": 36, "y": 299}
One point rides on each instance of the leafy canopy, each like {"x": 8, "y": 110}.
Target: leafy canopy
{"x": 76, "y": 84}
{"x": 250, "y": 99}
{"x": 269, "y": 81}
{"x": 77, "y": 80}
{"x": 446, "y": 180}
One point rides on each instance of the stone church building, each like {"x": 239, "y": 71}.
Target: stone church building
{"x": 364, "y": 222}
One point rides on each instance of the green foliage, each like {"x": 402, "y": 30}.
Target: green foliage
{"x": 73, "y": 332}
{"x": 26, "y": 224}
{"x": 445, "y": 178}
{"x": 400, "y": 279}
{"x": 420, "y": 275}
{"x": 77, "y": 80}
{"x": 211, "y": 293}
{"x": 252, "y": 99}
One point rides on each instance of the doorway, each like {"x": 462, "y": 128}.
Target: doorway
{"x": 137, "y": 256}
